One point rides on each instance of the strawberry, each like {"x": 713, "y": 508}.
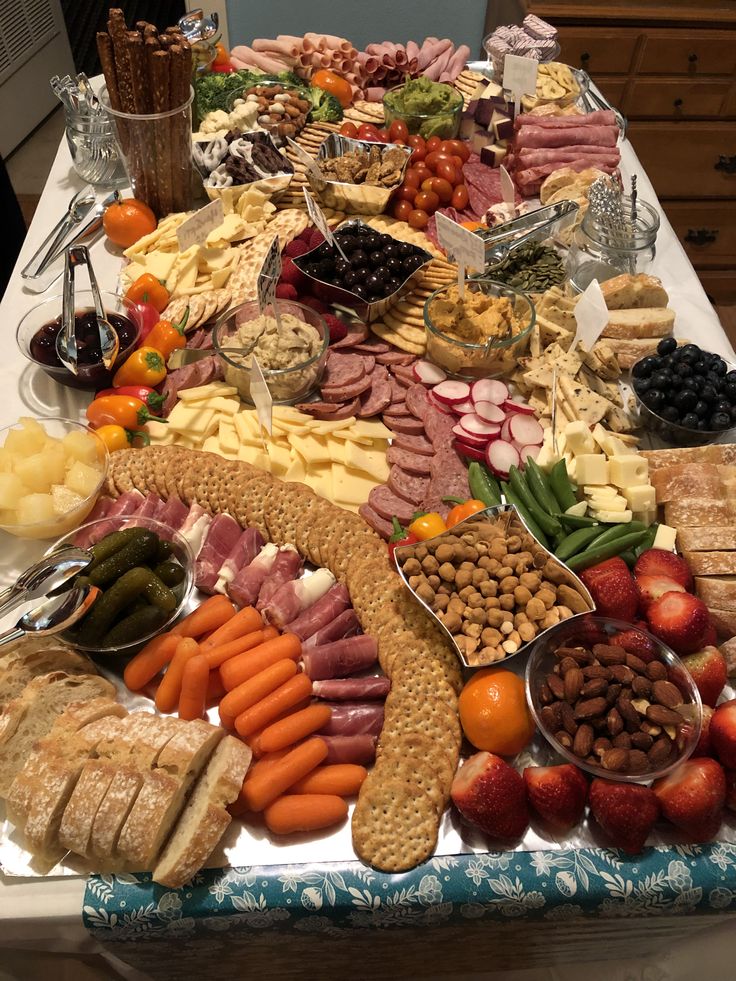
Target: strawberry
{"x": 637, "y": 643}
{"x": 658, "y": 562}
{"x": 709, "y": 672}
{"x": 314, "y": 303}
{"x": 693, "y": 796}
{"x": 285, "y": 291}
{"x": 612, "y": 588}
{"x": 711, "y": 637}
{"x": 296, "y": 248}
{"x": 652, "y": 587}
{"x": 491, "y": 794}
{"x": 315, "y": 237}
{"x": 292, "y": 275}
{"x": 731, "y": 790}
{"x": 723, "y": 733}
{"x": 704, "y": 747}
{"x": 336, "y": 327}
{"x": 626, "y": 812}
{"x": 557, "y": 794}
{"x": 680, "y": 620}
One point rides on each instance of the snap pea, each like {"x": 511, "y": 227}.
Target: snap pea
{"x": 122, "y": 593}
{"x": 648, "y": 540}
{"x": 616, "y": 531}
{"x": 547, "y": 522}
{"x": 539, "y": 486}
{"x": 135, "y": 626}
{"x": 575, "y": 542}
{"x": 170, "y": 573}
{"x": 111, "y": 544}
{"x": 578, "y": 521}
{"x": 561, "y": 487}
{"x": 592, "y": 556}
{"x": 629, "y": 557}
{"x": 529, "y": 521}
{"x": 136, "y": 551}
{"x": 483, "y": 486}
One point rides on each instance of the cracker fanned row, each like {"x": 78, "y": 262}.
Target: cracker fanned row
{"x": 400, "y": 807}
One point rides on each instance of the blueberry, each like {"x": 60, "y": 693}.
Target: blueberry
{"x": 689, "y": 420}
{"x": 708, "y": 393}
{"x": 693, "y": 384}
{"x": 683, "y": 370}
{"x": 733, "y": 413}
{"x": 700, "y": 367}
{"x": 701, "y": 409}
{"x": 702, "y": 425}
{"x": 731, "y": 377}
{"x": 676, "y": 355}
{"x": 719, "y": 367}
{"x": 642, "y": 385}
{"x": 670, "y": 413}
{"x": 720, "y": 420}
{"x": 691, "y": 352}
{"x": 644, "y": 368}
{"x": 685, "y": 400}
{"x": 662, "y": 379}
{"x": 654, "y": 398}
{"x": 723, "y": 406}
{"x": 667, "y": 345}
{"x": 729, "y": 390}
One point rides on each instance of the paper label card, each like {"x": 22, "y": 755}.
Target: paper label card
{"x": 261, "y": 396}
{"x": 268, "y": 277}
{"x": 591, "y": 316}
{"x": 309, "y": 162}
{"x": 519, "y": 77}
{"x": 195, "y": 230}
{"x": 507, "y": 187}
{"x": 317, "y": 217}
{"x": 466, "y": 248}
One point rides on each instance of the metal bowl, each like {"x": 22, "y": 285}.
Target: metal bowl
{"x": 274, "y": 186}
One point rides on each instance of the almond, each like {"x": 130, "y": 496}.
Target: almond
{"x": 601, "y": 745}
{"x": 662, "y": 716}
{"x": 656, "y": 671}
{"x": 640, "y": 704}
{"x": 564, "y": 739}
{"x": 608, "y": 654}
{"x": 616, "y": 760}
{"x": 545, "y": 694}
{"x": 597, "y": 671}
{"x": 659, "y": 752}
{"x": 638, "y": 761}
{"x": 583, "y": 742}
{"x": 578, "y": 654}
{"x": 666, "y": 694}
{"x": 568, "y": 664}
{"x": 641, "y": 740}
{"x": 556, "y": 685}
{"x": 627, "y": 710}
{"x": 648, "y": 728}
{"x": 619, "y": 672}
{"x": 550, "y": 716}
{"x": 567, "y": 718}
{"x": 642, "y": 686}
{"x": 635, "y": 663}
{"x": 574, "y": 684}
{"x": 613, "y": 692}
{"x": 594, "y": 687}
{"x": 622, "y": 741}
{"x": 587, "y": 708}
{"x": 614, "y": 722}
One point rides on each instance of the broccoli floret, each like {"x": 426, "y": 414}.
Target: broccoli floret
{"x": 326, "y": 107}
{"x": 291, "y": 79}
{"x": 215, "y": 89}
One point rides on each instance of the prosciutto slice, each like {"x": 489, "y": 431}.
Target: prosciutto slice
{"x": 101, "y": 508}
{"x": 241, "y": 554}
{"x": 346, "y": 689}
{"x": 320, "y": 614}
{"x": 294, "y": 597}
{"x": 344, "y": 625}
{"x": 355, "y": 719}
{"x": 221, "y": 536}
{"x": 126, "y": 504}
{"x": 146, "y": 510}
{"x": 174, "y": 513}
{"x": 602, "y": 117}
{"x": 540, "y": 136}
{"x": 286, "y": 567}
{"x": 246, "y": 585}
{"x": 342, "y": 657}
{"x": 350, "y": 749}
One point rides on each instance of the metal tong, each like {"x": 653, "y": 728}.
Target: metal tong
{"x": 66, "y": 339}
{"x": 51, "y": 575}
{"x": 503, "y": 239}
{"x": 77, "y": 210}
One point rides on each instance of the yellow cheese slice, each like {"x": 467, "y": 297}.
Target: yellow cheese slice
{"x": 202, "y": 392}
{"x": 228, "y": 437}
{"x": 160, "y": 264}
{"x": 330, "y": 427}
{"x": 192, "y": 421}
{"x": 351, "y": 486}
{"x": 372, "y": 462}
{"x": 298, "y": 470}
{"x": 280, "y": 457}
{"x": 313, "y": 448}
{"x": 319, "y": 478}
{"x": 372, "y": 428}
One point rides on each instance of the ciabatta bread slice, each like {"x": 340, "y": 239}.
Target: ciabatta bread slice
{"x": 30, "y": 716}
{"x": 27, "y": 665}
{"x": 723, "y": 454}
{"x": 627, "y": 292}
{"x": 711, "y": 563}
{"x": 164, "y": 791}
{"x": 692, "y": 512}
{"x": 643, "y": 323}
{"x": 724, "y": 621}
{"x": 205, "y": 818}
{"x": 717, "y": 591}
{"x": 689, "y": 480}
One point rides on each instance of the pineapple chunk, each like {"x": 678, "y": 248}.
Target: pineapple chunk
{"x": 35, "y": 508}
{"x": 81, "y": 446}
{"x": 6, "y": 461}
{"x": 12, "y": 490}
{"x": 64, "y": 500}
{"x": 82, "y": 479}
{"x": 24, "y": 442}
{"x": 40, "y": 471}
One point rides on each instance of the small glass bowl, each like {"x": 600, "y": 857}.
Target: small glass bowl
{"x": 62, "y": 523}
{"x": 445, "y": 124}
{"x": 91, "y": 377}
{"x": 286, "y": 385}
{"x": 94, "y": 531}
{"x": 588, "y": 630}
{"x": 470, "y": 361}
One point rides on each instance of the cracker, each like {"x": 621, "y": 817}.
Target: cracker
{"x": 374, "y": 591}
{"x": 433, "y": 716}
{"x": 414, "y": 670}
{"x": 174, "y": 311}
{"x": 197, "y": 305}
{"x": 404, "y": 329}
{"x": 281, "y": 511}
{"x": 180, "y": 464}
{"x": 416, "y": 747}
{"x": 120, "y": 477}
{"x": 395, "y": 824}
{"x": 387, "y": 333}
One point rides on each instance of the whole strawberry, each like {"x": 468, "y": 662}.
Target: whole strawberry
{"x": 626, "y": 812}
{"x": 612, "y": 588}
{"x": 659, "y": 562}
{"x": 680, "y": 620}
{"x": 635, "y": 642}
{"x": 709, "y": 672}
{"x": 704, "y": 746}
{"x": 731, "y": 790}
{"x": 693, "y": 796}
{"x": 557, "y": 794}
{"x": 723, "y": 733}
{"x": 491, "y": 794}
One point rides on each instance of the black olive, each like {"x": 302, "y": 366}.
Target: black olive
{"x": 362, "y": 272}
{"x": 685, "y": 400}
{"x": 341, "y": 266}
{"x": 358, "y": 258}
{"x": 391, "y": 249}
{"x": 385, "y": 240}
{"x": 391, "y": 284}
{"x": 394, "y": 263}
{"x": 654, "y": 398}
{"x": 350, "y": 278}
{"x": 670, "y": 413}
{"x": 689, "y": 420}
{"x": 667, "y": 345}
{"x": 360, "y": 290}
{"x": 406, "y": 248}
{"x": 701, "y": 409}
{"x": 375, "y": 259}
{"x": 371, "y": 242}
{"x": 364, "y": 231}
{"x": 720, "y": 420}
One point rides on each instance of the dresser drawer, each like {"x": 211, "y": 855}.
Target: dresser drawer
{"x": 613, "y": 87}
{"x": 706, "y": 229}
{"x": 599, "y": 51}
{"x": 687, "y": 160}
{"x": 688, "y": 53}
{"x": 684, "y": 98}
{"x": 720, "y": 285}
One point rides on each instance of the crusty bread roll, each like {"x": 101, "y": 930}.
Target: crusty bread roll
{"x": 627, "y": 292}
{"x": 641, "y": 323}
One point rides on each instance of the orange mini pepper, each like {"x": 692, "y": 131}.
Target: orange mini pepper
{"x": 148, "y": 289}
{"x": 166, "y": 336}
{"x": 464, "y": 510}
{"x": 145, "y": 366}
{"x": 427, "y": 525}
{"x": 118, "y": 410}
{"x": 334, "y": 84}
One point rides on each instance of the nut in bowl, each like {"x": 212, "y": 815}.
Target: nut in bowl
{"x": 51, "y": 473}
{"x": 356, "y": 176}
{"x": 491, "y": 586}
{"x": 615, "y": 714}
{"x": 481, "y": 335}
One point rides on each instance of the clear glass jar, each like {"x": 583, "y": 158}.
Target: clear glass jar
{"x": 601, "y": 252}
{"x": 94, "y": 150}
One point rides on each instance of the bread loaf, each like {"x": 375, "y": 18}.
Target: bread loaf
{"x": 724, "y": 621}
{"x": 723, "y": 454}
{"x": 646, "y": 322}
{"x": 689, "y": 480}
{"x": 627, "y": 292}
{"x": 691, "y": 512}
{"x": 711, "y": 563}
{"x": 728, "y": 649}
{"x": 28, "y": 663}
{"x": 717, "y": 591}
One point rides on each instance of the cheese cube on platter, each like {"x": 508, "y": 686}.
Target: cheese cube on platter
{"x": 591, "y": 468}
{"x": 628, "y": 470}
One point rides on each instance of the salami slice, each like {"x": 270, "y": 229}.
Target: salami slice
{"x": 407, "y": 485}
{"x": 398, "y": 391}
{"x": 330, "y": 410}
{"x": 388, "y": 505}
{"x": 399, "y": 409}
{"x": 404, "y": 375}
{"x": 412, "y": 462}
{"x": 438, "y": 426}
{"x": 408, "y": 425}
{"x": 378, "y": 397}
{"x": 396, "y": 357}
{"x": 342, "y": 368}
{"x": 344, "y": 393}
{"x": 369, "y": 362}
{"x": 382, "y": 527}
{"x": 417, "y": 401}
{"x": 414, "y": 444}
{"x": 357, "y": 333}
{"x": 372, "y": 347}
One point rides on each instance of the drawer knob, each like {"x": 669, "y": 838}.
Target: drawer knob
{"x": 692, "y": 58}
{"x": 584, "y": 59}
{"x": 678, "y": 103}
{"x": 701, "y": 236}
{"x": 726, "y": 164}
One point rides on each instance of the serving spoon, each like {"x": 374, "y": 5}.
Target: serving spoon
{"x": 46, "y": 577}
{"x": 66, "y": 339}
{"x": 56, "y": 614}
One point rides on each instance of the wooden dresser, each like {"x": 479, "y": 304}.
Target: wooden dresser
{"x": 670, "y": 67}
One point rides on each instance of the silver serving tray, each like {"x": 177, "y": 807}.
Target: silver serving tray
{"x": 360, "y": 199}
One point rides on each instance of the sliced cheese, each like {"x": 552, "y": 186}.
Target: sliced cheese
{"x": 314, "y": 449}
{"x": 323, "y": 427}
{"x": 372, "y": 428}
{"x": 160, "y": 264}
{"x": 372, "y": 462}
{"x": 192, "y": 422}
{"x": 202, "y": 392}
{"x": 578, "y": 438}
{"x": 350, "y": 486}
{"x": 319, "y": 478}
{"x": 228, "y": 437}
{"x": 614, "y": 517}
{"x": 578, "y": 509}
{"x": 280, "y": 457}
{"x": 298, "y": 469}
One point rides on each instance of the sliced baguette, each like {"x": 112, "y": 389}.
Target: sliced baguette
{"x": 717, "y": 591}
{"x": 205, "y": 819}
{"x": 724, "y": 621}
{"x": 711, "y": 563}
{"x": 635, "y": 325}
{"x": 627, "y": 292}
{"x": 723, "y": 454}
{"x": 701, "y": 480}
{"x": 728, "y": 649}
{"x": 28, "y": 664}
{"x": 164, "y": 791}
{"x": 692, "y": 512}
{"x": 30, "y": 716}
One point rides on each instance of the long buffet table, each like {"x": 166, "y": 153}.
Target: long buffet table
{"x": 505, "y": 912}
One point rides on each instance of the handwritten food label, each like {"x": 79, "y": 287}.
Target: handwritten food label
{"x": 591, "y": 316}
{"x": 320, "y": 222}
{"x": 268, "y": 277}
{"x": 519, "y": 77}
{"x": 195, "y": 230}
{"x": 261, "y": 396}
{"x": 466, "y": 248}
{"x": 309, "y": 162}
{"x": 507, "y": 187}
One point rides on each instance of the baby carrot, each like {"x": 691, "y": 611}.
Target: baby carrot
{"x": 194, "y": 681}
{"x": 304, "y": 812}
{"x": 254, "y": 739}
{"x": 258, "y": 767}
{"x": 167, "y": 696}
{"x": 149, "y": 661}
{"x": 278, "y": 776}
{"x": 213, "y": 613}
{"x": 256, "y": 689}
{"x": 342, "y": 779}
{"x": 223, "y": 652}
{"x": 294, "y": 727}
{"x": 245, "y": 621}
{"x": 215, "y": 689}
{"x": 239, "y": 669}
{"x": 265, "y": 711}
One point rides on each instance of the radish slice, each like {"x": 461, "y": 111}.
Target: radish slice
{"x": 489, "y": 412}
{"x": 479, "y": 427}
{"x": 472, "y": 452}
{"x": 489, "y": 390}
{"x": 473, "y": 440}
{"x": 451, "y": 391}
{"x": 445, "y": 409}
{"x": 501, "y": 456}
{"x": 518, "y": 405}
{"x": 529, "y": 451}
{"x": 428, "y": 373}
{"x": 505, "y": 434}
{"x": 525, "y": 430}
{"x": 463, "y": 408}
{"x": 493, "y": 432}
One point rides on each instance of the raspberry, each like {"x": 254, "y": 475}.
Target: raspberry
{"x": 296, "y": 248}
{"x": 336, "y": 327}
{"x": 314, "y": 303}
{"x": 285, "y": 291}
{"x": 292, "y": 275}
{"x": 315, "y": 238}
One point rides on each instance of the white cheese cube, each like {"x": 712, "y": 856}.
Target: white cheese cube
{"x": 665, "y": 538}
{"x": 578, "y": 509}
{"x": 641, "y": 497}
{"x": 628, "y": 470}
{"x": 578, "y": 438}
{"x": 591, "y": 468}
{"x": 614, "y": 517}
{"x": 617, "y": 447}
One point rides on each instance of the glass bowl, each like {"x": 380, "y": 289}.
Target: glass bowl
{"x": 91, "y": 377}
{"x": 286, "y": 385}
{"x": 94, "y": 531}
{"x": 65, "y": 521}
{"x": 588, "y": 630}
{"x": 445, "y": 124}
{"x": 463, "y": 359}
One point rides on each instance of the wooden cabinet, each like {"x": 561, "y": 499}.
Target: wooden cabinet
{"x": 670, "y": 67}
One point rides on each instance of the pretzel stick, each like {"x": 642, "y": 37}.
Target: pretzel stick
{"x": 159, "y": 65}
{"x": 180, "y": 134}
{"x": 119, "y": 35}
{"x": 107, "y": 59}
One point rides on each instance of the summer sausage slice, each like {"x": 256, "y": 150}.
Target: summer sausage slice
{"x": 384, "y": 528}
{"x": 414, "y": 444}
{"x": 329, "y": 411}
{"x": 344, "y": 393}
{"x": 372, "y": 347}
{"x": 404, "y": 424}
{"x": 357, "y": 333}
{"x": 412, "y": 462}
{"x": 384, "y": 502}
{"x": 396, "y": 357}
{"x": 379, "y": 396}
{"x": 417, "y": 401}
{"x": 342, "y": 369}
{"x": 398, "y": 391}
{"x": 409, "y": 486}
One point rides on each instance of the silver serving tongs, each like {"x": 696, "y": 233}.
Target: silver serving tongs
{"x": 66, "y": 339}
{"x": 77, "y": 210}
{"x": 54, "y": 615}
{"x": 51, "y": 575}
{"x": 501, "y": 241}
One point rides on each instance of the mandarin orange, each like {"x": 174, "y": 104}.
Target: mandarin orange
{"x": 127, "y": 220}
{"x": 494, "y": 713}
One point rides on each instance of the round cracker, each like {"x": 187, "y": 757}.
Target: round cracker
{"x": 416, "y": 747}
{"x": 395, "y": 824}
{"x": 432, "y": 716}
{"x": 389, "y": 334}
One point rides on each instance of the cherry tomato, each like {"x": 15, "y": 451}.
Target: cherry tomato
{"x": 417, "y": 141}
{"x": 436, "y": 157}
{"x": 407, "y": 192}
{"x": 383, "y": 135}
{"x": 402, "y": 210}
{"x": 418, "y": 219}
{"x": 427, "y": 201}
{"x": 433, "y": 143}
{"x": 417, "y": 155}
{"x": 412, "y": 177}
{"x": 458, "y": 161}
{"x": 448, "y": 172}
{"x": 367, "y": 131}
{"x": 350, "y": 130}
{"x": 423, "y": 172}
{"x": 460, "y": 198}
{"x": 456, "y": 147}
{"x": 442, "y": 188}
{"x": 398, "y": 130}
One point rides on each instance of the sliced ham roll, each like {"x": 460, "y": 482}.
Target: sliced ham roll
{"x": 350, "y": 749}
{"x": 344, "y": 625}
{"x": 221, "y": 536}
{"x": 320, "y": 614}
{"x": 286, "y": 567}
{"x": 347, "y": 689}
{"x": 246, "y": 585}
{"x": 354, "y": 719}
{"x": 241, "y": 554}
{"x": 294, "y": 597}
{"x": 340, "y": 658}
